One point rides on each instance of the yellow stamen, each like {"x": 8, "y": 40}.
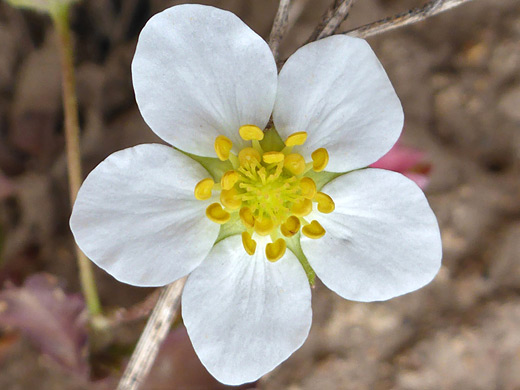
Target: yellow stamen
{"x": 313, "y": 230}
{"x": 273, "y": 157}
{"x": 302, "y": 207}
{"x": 251, "y": 132}
{"x": 291, "y": 226}
{"x": 229, "y": 179}
{"x": 223, "y": 146}
{"x": 274, "y": 251}
{"x": 248, "y": 243}
{"x": 217, "y": 214}
{"x": 269, "y": 189}
{"x": 203, "y": 189}
{"x": 264, "y": 226}
{"x": 294, "y": 163}
{"x": 248, "y": 156}
{"x": 230, "y": 199}
{"x": 298, "y": 138}
{"x": 320, "y": 159}
{"x": 325, "y": 203}
{"x": 308, "y": 187}
{"x": 247, "y": 217}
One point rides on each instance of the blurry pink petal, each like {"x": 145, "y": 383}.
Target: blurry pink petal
{"x": 422, "y": 180}
{"x": 52, "y": 320}
{"x": 408, "y": 161}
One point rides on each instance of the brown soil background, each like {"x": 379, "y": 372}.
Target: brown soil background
{"x": 458, "y": 76}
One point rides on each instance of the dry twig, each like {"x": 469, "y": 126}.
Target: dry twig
{"x": 331, "y": 19}
{"x": 415, "y": 15}
{"x": 279, "y": 27}
{"x": 295, "y": 11}
{"x": 152, "y": 337}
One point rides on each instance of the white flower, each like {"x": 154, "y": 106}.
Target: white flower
{"x": 148, "y": 215}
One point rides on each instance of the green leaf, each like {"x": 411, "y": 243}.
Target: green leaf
{"x": 47, "y": 6}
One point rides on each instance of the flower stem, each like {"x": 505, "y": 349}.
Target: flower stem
{"x": 60, "y": 17}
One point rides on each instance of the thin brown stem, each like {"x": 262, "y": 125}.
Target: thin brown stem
{"x": 295, "y": 11}
{"x": 279, "y": 27}
{"x": 333, "y": 12}
{"x": 60, "y": 17}
{"x": 415, "y": 15}
{"x": 339, "y": 16}
{"x": 152, "y": 337}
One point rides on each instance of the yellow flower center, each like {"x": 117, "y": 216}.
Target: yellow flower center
{"x": 269, "y": 190}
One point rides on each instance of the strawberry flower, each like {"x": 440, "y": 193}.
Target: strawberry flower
{"x": 251, "y": 213}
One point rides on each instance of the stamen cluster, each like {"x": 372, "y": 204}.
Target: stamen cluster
{"x": 268, "y": 189}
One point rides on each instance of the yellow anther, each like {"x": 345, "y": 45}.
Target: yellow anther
{"x": 274, "y": 251}
{"x": 247, "y": 217}
{"x": 313, "y": 230}
{"x": 248, "y": 243}
{"x": 217, "y": 214}
{"x": 251, "y": 132}
{"x": 308, "y": 187}
{"x": 247, "y": 156}
{"x": 223, "y": 146}
{"x": 273, "y": 157}
{"x": 302, "y": 207}
{"x": 320, "y": 159}
{"x": 264, "y": 226}
{"x": 203, "y": 189}
{"x": 229, "y": 179}
{"x": 291, "y": 226}
{"x": 325, "y": 203}
{"x": 230, "y": 199}
{"x": 294, "y": 163}
{"x": 298, "y": 138}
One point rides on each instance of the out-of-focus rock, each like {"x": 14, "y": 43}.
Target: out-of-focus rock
{"x": 482, "y": 356}
{"x": 504, "y": 258}
{"x": 509, "y": 103}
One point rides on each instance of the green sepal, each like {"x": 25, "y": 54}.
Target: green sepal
{"x": 230, "y": 228}
{"x": 323, "y": 177}
{"x": 272, "y": 141}
{"x": 213, "y": 165}
{"x": 295, "y": 247}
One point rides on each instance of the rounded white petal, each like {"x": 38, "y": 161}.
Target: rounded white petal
{"x": 381, "y": 241}
{"x": 336, "y": 90}
{"x": 137, "y": 218}
{"x": 245, "y": 315}
{"x": 199, "y": 72}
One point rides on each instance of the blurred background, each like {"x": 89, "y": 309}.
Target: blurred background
{"x": 458, "y": 76}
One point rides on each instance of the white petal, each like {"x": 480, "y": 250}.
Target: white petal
{"x": 245, "y": 315}
{"x": 336, "y": 90}
{"x": 198, "y": 72}
{"x": 381, "y": 241}
{"x": 137, "y": 218}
